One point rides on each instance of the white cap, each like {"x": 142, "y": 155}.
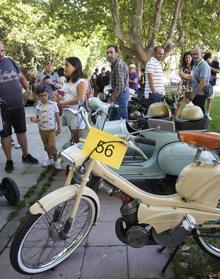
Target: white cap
{"x": 132, "y": 66}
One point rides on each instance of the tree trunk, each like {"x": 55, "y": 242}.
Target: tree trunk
{"x": 132, "y": 44}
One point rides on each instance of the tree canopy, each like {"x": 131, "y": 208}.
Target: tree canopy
{"x": 36, "y": 29}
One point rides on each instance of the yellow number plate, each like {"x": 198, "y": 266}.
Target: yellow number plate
{"x": 107, "y": 148}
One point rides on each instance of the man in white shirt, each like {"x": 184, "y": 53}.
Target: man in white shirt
{"x": 154, "y": 86}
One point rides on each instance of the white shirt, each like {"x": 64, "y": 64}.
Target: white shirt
{"x": 47, "y": 115}
{"x": 154, "y": 67}
{"x": 70, "y": 91}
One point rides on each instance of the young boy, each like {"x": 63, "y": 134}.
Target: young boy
{"x": 47, "y": 117}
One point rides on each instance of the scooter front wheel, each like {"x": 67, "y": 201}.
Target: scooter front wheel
{"x": 208, "y": 238}
{"x": 38, "y": 244}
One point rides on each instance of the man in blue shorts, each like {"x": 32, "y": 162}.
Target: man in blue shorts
{"x": 11, "y": 79}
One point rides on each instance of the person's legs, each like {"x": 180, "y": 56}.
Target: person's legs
{"x": 208, "y": 106}
{"x": 153, "y": 98}
{"x": 114, "y": 114}
{"x": 6, "y": 145}
{"x": 199, "y": 100}
{"x": 22, "y": 140}
{"x": 77, "y": 134}
{"x": 122, "y": 101}
{"x": 53, "y": 149}
{"x": 52, "y": 144}
{"x": 45, "y": 139}
{"x": 6, "y": 140}
{"x": 19, "y": 124}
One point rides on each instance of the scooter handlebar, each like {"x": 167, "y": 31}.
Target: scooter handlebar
{"x": 144, "y": 140}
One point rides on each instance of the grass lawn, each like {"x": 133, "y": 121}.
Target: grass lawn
{"x": 214, "y": 125}
{"x": 194, "y": 263}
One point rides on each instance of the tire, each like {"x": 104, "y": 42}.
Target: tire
{"x": 208, "y": 239}
{"x": 34, "y": 251}
{"x": 10, "y": 190}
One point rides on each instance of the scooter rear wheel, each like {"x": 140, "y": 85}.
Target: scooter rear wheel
{"x": 10, "y": 190}
{"x": 38, "y": 244}
{"x": 208, "y": 239}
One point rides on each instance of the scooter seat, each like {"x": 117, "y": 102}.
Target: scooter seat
{"x": 201, "y": 139}
{"x": 201, "y": 124}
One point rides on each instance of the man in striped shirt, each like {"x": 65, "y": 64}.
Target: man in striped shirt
{"x": 154, "y": 86}
{"x": 119, "y": 83}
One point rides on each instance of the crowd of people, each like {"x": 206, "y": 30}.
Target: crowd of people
{"x": 68, "y": 87}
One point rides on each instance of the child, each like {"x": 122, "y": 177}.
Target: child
{"x": 184, "y": 102}
{"x": 47, "y": 117}
{"x": 74, "y": 95}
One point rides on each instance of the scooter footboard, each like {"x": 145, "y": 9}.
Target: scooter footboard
{"x": 165, "y": 218}
{"x": 61, "y": 195}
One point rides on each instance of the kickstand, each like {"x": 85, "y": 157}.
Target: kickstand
{"x": 171, "y": 256}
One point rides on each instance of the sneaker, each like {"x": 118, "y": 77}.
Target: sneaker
{"x": 17, "y": 146}
{"x": 29, "y": 159}
{"x": 209, "y": 117}
{"x": 9, "y": 166}
{"x": 57, "y": 165}
{"x": 48, "y": 163}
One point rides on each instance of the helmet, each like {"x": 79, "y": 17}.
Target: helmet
{"x": 191, "y": 112}
{"x": 158, "y": 109}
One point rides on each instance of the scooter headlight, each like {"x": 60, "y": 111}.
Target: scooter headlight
{"x": 73, "y": 155}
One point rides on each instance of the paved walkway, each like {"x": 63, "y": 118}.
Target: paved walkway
{"x": 103, "y": 255}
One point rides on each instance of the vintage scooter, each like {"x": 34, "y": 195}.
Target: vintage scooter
{"x": 61, "y": 221}
{"x": 157, "y": 153}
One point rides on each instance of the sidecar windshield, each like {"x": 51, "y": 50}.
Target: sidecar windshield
{"x": 201, "y": 139}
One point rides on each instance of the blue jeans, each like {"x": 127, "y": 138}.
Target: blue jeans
{"x": 122, "y": 111}
{"x": 153, "y": 98}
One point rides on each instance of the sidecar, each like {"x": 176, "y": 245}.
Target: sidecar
{"x": 167, "y": 156}
{"x": 163, "y": 153}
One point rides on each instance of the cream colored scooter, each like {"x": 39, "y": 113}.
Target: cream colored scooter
{"x": 59, "y": 222}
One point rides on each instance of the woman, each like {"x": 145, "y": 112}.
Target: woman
{"x": 74, "y": 94}
{"x": 186, "y": 73}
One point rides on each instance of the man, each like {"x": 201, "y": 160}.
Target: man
{"x": 154, "y": 78}
{"x": 200, "y": 78}
{"x": 215, "y": 69}
{"x": 49, "y": 78}
{"x": 11, "y": 79}
{"x": 119, "y": 83}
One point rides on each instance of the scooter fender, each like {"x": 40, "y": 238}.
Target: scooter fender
{"x": 61, "y": 195}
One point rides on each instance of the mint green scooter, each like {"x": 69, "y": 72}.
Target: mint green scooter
{"x": 156, "y": 152}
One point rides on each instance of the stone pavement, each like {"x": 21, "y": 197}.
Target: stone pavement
{"x": 102, "y": 255}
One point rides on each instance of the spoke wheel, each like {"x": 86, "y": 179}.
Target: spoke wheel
{"x": 208, "y": 239}
{"x": 37, "y": 245}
